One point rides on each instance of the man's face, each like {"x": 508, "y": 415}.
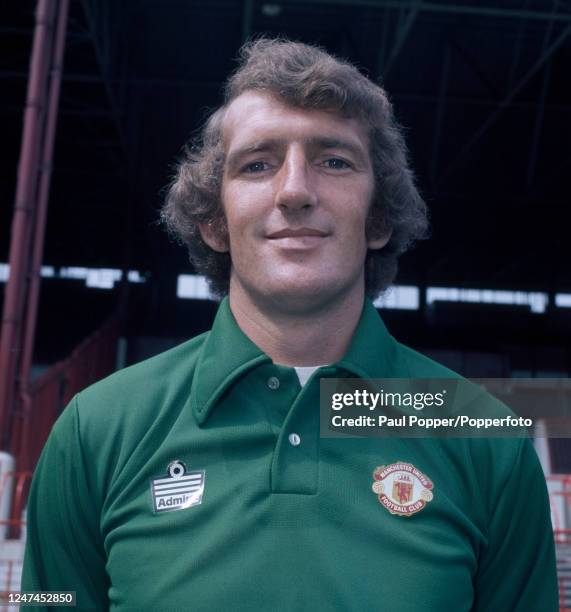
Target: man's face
{"x": 296, "y": 192}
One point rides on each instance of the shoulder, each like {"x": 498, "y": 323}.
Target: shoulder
{"x": 111, "y": 417}
{"x": 417, "y": 365}
{"x": 492, "y": 459}
{"x": 153, "y": 375}
{"x": 468, "y": 397}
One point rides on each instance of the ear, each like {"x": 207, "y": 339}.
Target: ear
{"x": 379, "y": 241}
{"x": 214, "y": 236}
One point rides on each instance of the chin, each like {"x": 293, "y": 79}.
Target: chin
{"x": 291, "y": 292}
{"x": 297, "y": 296}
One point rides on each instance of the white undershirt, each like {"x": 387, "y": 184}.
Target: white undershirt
{"x": 304, "y": 372}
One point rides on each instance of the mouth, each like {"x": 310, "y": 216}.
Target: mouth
{"x": 302, "y": 239}
{"x": 303, "y": 232}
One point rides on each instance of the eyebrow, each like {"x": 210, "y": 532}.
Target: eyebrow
{"x": 314, "y": 142}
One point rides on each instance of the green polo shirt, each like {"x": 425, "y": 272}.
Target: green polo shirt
{"x": 263, "y": 520}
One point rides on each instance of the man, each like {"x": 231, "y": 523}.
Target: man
{"x": 197, "y": 480}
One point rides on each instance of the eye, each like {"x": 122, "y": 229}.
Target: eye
{"x": 257, "y": 166}
{"x": 335, "y": 163}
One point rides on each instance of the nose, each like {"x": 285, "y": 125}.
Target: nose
{"x": 295, "y": 190}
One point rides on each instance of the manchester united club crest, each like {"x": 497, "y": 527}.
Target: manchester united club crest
{"x": 402, "y": 489}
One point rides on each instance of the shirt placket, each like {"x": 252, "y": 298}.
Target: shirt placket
{"x": 295, "y": 465}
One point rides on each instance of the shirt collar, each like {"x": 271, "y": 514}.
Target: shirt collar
{"x": 227, "y": 354}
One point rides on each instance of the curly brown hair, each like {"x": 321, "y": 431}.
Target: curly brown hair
{"x": 304, "y": 76}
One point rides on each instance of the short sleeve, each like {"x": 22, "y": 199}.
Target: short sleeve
{"x": 64, "y": 550}
{"x": 517, "y": 570}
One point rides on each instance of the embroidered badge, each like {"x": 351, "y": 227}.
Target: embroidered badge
{"x": 401, "y": 488}
{"x": 180, "y": 490}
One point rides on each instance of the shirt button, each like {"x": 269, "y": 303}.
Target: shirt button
{"x": 294, "y": 439}
{"x": 273, "y": 383}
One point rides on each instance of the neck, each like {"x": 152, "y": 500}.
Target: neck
{"x": 296, "y": 337}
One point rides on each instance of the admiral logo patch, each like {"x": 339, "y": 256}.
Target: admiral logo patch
{"x": 402, "y": 489}
{"x": 179, "y": 490}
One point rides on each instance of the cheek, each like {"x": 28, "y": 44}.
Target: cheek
{"x": 244, "y": 221}
{"x": 244, "y": 204}
{"x": 350, "y": 202}
{"x": 356, "y": 219}
{"x": 235, "y": 211}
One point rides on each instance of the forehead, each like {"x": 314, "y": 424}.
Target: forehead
{"x": 254, "y": 116}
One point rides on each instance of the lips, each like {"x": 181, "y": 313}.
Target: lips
{"x": 297, "y": 233}
{"x": 303, "y": 239}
